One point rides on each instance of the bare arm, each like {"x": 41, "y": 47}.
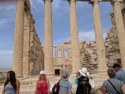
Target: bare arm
{"x": 17, "y": 86}
{"x": 48, "y": 86}
{"x": 103, "y": 90}
{"x": 36, "y": 87}
{"x": 70, "y": 92}
{"x": 3, "y": 92}
{"x": 70, "y": 88}
{"x": 123, "y": 89}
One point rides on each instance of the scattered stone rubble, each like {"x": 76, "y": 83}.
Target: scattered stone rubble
{"x": 88, "y": 55}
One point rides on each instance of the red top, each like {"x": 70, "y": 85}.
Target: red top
{"x": 42, "y": 87}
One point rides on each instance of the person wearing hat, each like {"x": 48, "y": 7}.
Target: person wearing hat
{"x": 65, "y": 85}
{"x": 42, "y": 85}
{"x": 83, "y": 86}
{"x": 120, "y": 74}
{"x": 80, "y": 73}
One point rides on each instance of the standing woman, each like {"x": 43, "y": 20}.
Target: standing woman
{"x": 12, "y": 85}
{"x": 42, "y": 85}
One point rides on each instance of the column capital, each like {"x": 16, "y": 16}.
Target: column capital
{"x": 94, "y": 2}
{"x": 47, "y": 0}
{"x": 113, "y": 1}
{"x": 72, "y": 1}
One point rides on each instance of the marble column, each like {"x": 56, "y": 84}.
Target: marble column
{"x": 18, "y": 39}
{"x": 120, "y": 29}
{"x": 101, "y": 56}
{"x": 62, "y": 51}
{"x": 56, "y": 53}
{"x": 76, "y": 65}
{"x": 26, "y": 44}
{"x": 48, "y": 64}
{"x": 31, "y": 61}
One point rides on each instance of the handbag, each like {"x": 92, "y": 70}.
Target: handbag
{"x": 113, "y": 87}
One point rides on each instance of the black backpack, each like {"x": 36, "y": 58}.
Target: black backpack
{"x": 55, "y": 89}
{"x": 84, "y": 86}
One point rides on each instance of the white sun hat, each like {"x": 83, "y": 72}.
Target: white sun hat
{"x": 42, "y": 72}
{"x": 84, "y": 72}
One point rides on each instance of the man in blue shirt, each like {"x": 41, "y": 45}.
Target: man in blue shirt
{"x": 120, "y": 74}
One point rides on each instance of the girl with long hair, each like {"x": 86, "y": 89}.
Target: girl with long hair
{"x": 42, "y": 85}
{"x": 12, "y": 85}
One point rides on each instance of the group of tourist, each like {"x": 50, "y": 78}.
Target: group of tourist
{"x": 114, "y": 85}
{"x": 116, "y": 82}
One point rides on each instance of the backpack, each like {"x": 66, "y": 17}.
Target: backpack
{"x": 84, "y": 86}
{"x": 55, "y": 89}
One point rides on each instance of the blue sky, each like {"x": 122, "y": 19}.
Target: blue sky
{"x": 61, "y": 24}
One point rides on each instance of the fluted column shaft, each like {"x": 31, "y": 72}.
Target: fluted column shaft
{"x": 31, "y": 47}
{"x": 76, "y": 65}
{"x": 18, "y": 40}
{"x": 26, "y": 44}
{"x": 120, "y": 29}
{"x": 56, "y": 53}
{"x": 101, "y": 57}
{"x": 48, "y": 38}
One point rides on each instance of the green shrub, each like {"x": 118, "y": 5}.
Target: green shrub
{"x": 2, "y": 80}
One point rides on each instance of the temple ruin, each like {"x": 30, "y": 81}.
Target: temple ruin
{"x": 29, "y": 57}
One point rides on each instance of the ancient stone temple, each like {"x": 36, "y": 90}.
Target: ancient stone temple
{"x": 28, "y": 52}
{"x": 29, "y": 57}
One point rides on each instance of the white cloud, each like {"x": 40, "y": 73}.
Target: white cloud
{"x": 6, "y": 52}
{"x": 89, "y": 35}
{"x": 61, "y": 41}
{"x": 36, "y": 3}
{"x": 7, "y": 13}
{"x": 86, "y": 36}
{"x": 83, "y": 36}
{"x": 57, "y": 4}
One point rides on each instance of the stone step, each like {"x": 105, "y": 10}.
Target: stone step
{"x": 27, "y": 92}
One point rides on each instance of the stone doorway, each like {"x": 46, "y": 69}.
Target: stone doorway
{"x": 57, "y": 72}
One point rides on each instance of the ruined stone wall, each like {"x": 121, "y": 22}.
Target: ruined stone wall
{"x": 89, "y": 56}
{"x": 36, "y": 54}
{"x": 63, "y": 60}
{"x": 33, "y": 55}
{"x": 111, "y": 44}
{"x": 88, "y": 49}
